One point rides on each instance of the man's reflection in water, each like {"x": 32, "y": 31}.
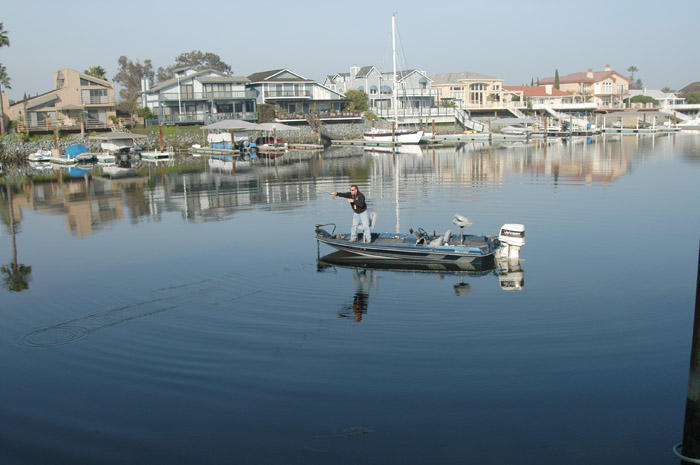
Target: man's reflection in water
{"x": 363, "y": 279}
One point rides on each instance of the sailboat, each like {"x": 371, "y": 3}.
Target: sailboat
{"x": 403, "y": 136}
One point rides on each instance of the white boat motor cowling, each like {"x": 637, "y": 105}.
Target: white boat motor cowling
{"x": 512, "y": 238}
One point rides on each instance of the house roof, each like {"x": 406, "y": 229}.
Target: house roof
{"x": 171, "y": 81}
{"x": 70, "y": 106}
{"x": 583, "y": 77}
{"x": 454, "y": 78}
{"x": 270, "y": 76}
{"x": 223, "y": 79}
{"x": 364, "y": 71}
{"x": 537, "y": 91}
{"x": 39, "y": 101}
{"x": 102, "y": 82}
{"x": 653, "y": 93}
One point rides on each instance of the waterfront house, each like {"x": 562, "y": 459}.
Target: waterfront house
{"x": 294, "y": 96}
{"x": 199, "y": 96}
{"x": 547, "y": 97}
{"x": 78, "y": 101}
{"x": 477, "y": 93}
{"x": 663, "y": 99}
{"x": 606, "y": 88}
{"x": 414, "y": 93}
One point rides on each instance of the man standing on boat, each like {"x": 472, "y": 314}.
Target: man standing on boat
{"x": 359, "y": 208}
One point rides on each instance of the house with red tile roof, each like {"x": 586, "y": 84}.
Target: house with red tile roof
{"x": 539, "y": 97}
{"x": 606, "y": 88}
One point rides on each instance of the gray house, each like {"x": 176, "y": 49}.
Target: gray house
{"x": 202, "y": 96}
{"x": 296, "y": 96}
{"x": 414, "y": 94}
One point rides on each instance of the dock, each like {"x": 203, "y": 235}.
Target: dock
{"x": 213, "y": 151}
{"x": 294, "y": 146}
{"x": 367, "y": 143}
{"x": 661, "y": 130}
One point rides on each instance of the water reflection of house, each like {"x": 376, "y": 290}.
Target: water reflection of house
{"x": 86, "y": 206}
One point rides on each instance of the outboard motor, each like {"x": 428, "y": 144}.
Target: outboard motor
{"x": 512, "y": 238}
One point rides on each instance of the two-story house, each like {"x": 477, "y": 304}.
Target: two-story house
{"x": 199, "y": 96}
{"x": 606, "y": 88}
{"x": 77, "y": 101}
{"x": 414, "y": 94}
{"x": 476, "y": 92}
{"x": 294, "y": 95}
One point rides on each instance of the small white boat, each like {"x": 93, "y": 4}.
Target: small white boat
{"x": 402, "y": 136}
{"x": 156, "y": 155}
{"x": 40, "y": 156}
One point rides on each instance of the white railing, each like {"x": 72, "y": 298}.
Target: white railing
{"x": 414, "y": 112}
{"x": 565, "y": 106}
{"x": 493, "y": 105}
{"x": 287, "y": 93}
{"x": 231, "y": 94}
{"x": 97, "y": 100}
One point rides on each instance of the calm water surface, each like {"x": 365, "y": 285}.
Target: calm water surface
{"x": 182, "y": 317}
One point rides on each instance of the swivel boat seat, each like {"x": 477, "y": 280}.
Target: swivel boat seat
{"x": 461, "y": 221}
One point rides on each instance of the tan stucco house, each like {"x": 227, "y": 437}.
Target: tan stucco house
{"x": 474, "y": 92}
{"x": 606, "y": 88}
{"x": 77, "y": 100}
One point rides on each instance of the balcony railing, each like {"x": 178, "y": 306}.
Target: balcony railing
{"x": 324, "y": 115}
{"x": 287, "y": 94}
{"x": 212, "y": 95}
{"x": 71, "y": 125}
{"x": 415, "y": 112}
{"x": 565, "y": 105}
{"x": 98, "y": 100}
{"x": 204, "y": 117}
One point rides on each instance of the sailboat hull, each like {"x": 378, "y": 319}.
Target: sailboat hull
{"x": 403, "y": 137}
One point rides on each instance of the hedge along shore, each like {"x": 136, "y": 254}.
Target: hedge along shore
{"x": 14, "y": 150}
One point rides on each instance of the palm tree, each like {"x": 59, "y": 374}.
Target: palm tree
{"x": 16, "y": 276}
{"x": 632, "y": 70}
{"x": 4, "y": 81}
{"x": 4, "y": 40}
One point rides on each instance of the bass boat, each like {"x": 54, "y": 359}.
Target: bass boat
{"x": 422, "y": 247}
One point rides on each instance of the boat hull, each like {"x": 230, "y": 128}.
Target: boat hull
{"x": 403, "y": 137}
{"x": 406, "y": 252}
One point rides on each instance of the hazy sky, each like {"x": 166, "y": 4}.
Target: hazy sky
{"x": 515, "y": 40}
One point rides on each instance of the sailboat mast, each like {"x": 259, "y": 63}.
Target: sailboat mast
{"x": 393, "y": 47}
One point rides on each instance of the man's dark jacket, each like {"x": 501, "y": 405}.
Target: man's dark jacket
{"x": 359, "y": 205}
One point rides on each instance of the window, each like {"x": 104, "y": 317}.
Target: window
{"x": 187, "y": 91}
{"x": 584, "y": 88}
{"x": 607, "y": 87}
{"x": 620, "y": 88}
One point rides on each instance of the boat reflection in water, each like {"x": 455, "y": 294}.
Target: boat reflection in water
{"x": 510, "y": 275}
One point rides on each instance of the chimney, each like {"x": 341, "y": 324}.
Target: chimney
{"x": 353, "y": 71}
{"x": 589, "y": 73}
{"x": 548, "y": 89}
{"x": 608, "y": 68}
